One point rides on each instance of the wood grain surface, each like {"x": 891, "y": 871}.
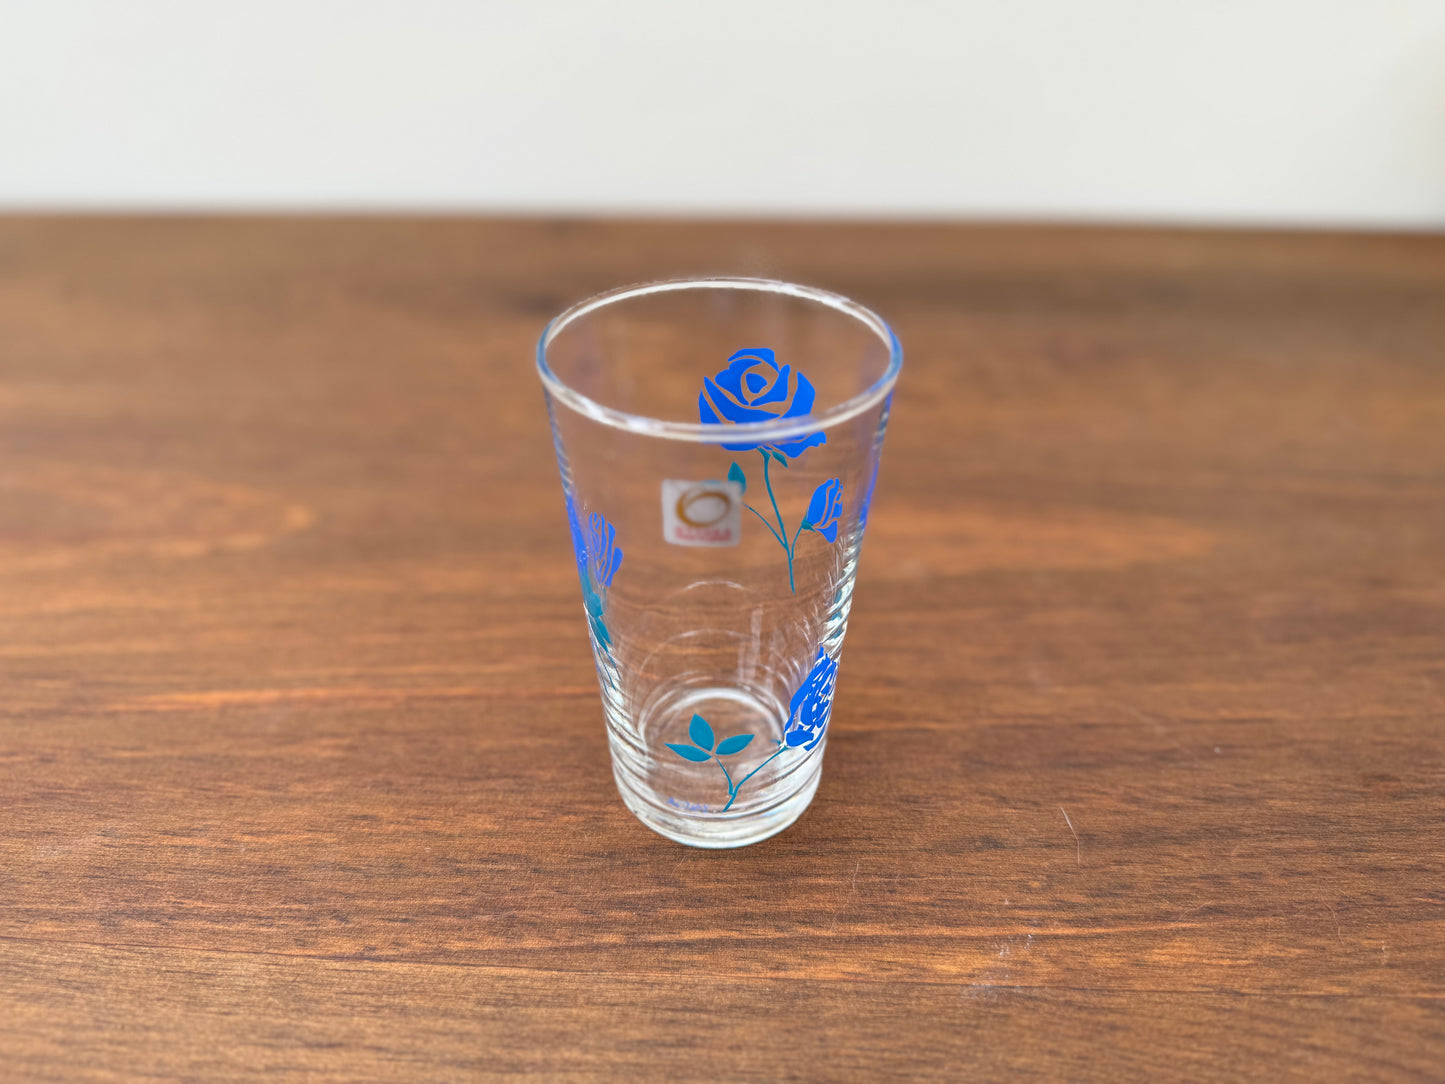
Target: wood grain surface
{"x": 1137, "y": 766}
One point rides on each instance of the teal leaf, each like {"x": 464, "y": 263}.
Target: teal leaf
{"x": 736, "y": 744}
{"x": 779, "y": 456}
{"x": 700, "y": 733}
{"x": 687, "y": 752}
{"x": 735, "y": 474}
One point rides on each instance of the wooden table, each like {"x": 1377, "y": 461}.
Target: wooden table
{"x": 1137, "y": 768}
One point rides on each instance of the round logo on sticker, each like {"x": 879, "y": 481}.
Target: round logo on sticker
{"x": 704, "y": 505}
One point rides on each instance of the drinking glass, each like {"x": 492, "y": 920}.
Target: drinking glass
{"x": 718, "y": 441}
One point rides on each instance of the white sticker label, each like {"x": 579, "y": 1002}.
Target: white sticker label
{"x": 702, "y": 513}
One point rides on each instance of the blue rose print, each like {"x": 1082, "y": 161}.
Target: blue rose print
{"x": 811, "y": 705}
{"x": 598, "y": 559}
{"x": 824, "y": 509}
{"x": 755, "y": 388}
{"x": 603, "y": 556}
{"x": 579, "y": 542}
{"x": 807, "y": 719}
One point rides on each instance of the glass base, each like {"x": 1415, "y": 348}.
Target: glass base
{"x": 722, "y": 799}
{"x": 716, "y": 831}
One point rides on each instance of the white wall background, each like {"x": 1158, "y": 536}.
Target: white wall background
{"x": 1284, "y": 111}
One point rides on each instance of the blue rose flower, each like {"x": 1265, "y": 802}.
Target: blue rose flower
{"x": 603, "y": 556}
{"x": 811, "y": 705}
{"x": 598, "y": 559}
{"x": 754, "y": 388}
{"x": 579, "y": 542}
{"x": 825, "y": 508}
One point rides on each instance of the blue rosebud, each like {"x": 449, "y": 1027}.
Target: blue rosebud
{"x": 811, "y": 705}
{"x": 604, "y": 557}
{"x": 825, "y": 508}
{"x": 579, "y": 541}
{"x": 598, "y": 559}
{"x": 755, "y": 388}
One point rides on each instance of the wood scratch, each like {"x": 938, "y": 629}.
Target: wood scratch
{"x": 853, "y": 891}
{"x": 1335, "y": 915}
{"x": 1191, "y": 910}
{"x": 1079, "y": 847}
{"x": 1162, "y": 731}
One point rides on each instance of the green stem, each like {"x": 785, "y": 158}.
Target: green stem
{"x": 769, "y": 526}
{"x": 732, "y": 790}
{"x": 782, "y": 527}
{"x": 744, "y": 779}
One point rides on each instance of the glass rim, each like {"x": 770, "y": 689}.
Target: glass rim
{"x": 765, "y": 432}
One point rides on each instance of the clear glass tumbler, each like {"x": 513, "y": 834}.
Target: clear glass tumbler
{"x": 718, "y": 441}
